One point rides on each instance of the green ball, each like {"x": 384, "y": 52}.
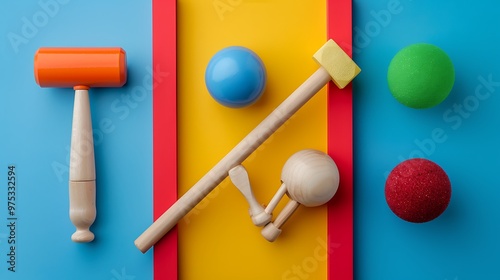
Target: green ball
{"x": 421, "y": 76}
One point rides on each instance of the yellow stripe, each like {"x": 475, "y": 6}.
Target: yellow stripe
{"x": 217, "y": 240}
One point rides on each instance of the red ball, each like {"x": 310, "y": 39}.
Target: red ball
{"x": 418, "y": 190}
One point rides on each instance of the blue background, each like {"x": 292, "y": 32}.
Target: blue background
{"x": 35, "y": 125}
{"x": 463, "y": 242}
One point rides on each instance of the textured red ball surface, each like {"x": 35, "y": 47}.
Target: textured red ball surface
{"x": 418, "y": 190}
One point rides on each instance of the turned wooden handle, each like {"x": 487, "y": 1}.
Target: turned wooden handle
{"x": 235, "y": 157}
{"x": 82, "y": 169}
{"x": 82, "y": 210}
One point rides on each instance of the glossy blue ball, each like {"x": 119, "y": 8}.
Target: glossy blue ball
{"x": 235, "y": 77}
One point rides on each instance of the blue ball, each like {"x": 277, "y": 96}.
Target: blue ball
{"x": 235, "y": 77}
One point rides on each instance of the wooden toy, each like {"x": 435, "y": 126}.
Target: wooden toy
{"x": 342, "y": 71}
{"x": 235, "y": 77}
{"x": 421, "y": 76}
{"x": 239, "y": 177}
{"x": 81, "y": 68}
{"x": 418, "y": 190}
{"x": 309, "y": 177}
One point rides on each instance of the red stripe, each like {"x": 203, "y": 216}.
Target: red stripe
{"x": 164, "y": 131}
{"x": 340, "y": 139}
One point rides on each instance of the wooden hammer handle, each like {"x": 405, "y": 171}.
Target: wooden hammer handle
{"x": 235, "y": 157}
{"x": 82, "y": 169}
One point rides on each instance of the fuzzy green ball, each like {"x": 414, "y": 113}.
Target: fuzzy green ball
{"x": 421, "y": 76}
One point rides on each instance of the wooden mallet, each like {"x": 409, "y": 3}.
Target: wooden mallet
{"x": 81, "y": 69}
{"x": 335, "y": 64}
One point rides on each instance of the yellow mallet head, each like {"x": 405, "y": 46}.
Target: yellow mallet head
{"x": 337, "y": 63}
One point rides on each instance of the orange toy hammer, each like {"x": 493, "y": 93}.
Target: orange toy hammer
{"x": 81, "y": 69}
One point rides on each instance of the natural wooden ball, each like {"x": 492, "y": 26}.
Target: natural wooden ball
{"x": 311, "y": 177}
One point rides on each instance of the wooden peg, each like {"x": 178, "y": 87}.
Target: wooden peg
{"x": 239, "y": 177}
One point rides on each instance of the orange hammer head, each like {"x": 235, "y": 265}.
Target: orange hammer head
{"x": 76, "y": 67}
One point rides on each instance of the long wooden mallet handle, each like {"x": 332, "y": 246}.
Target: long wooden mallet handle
{"x": 335, "y": 64}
